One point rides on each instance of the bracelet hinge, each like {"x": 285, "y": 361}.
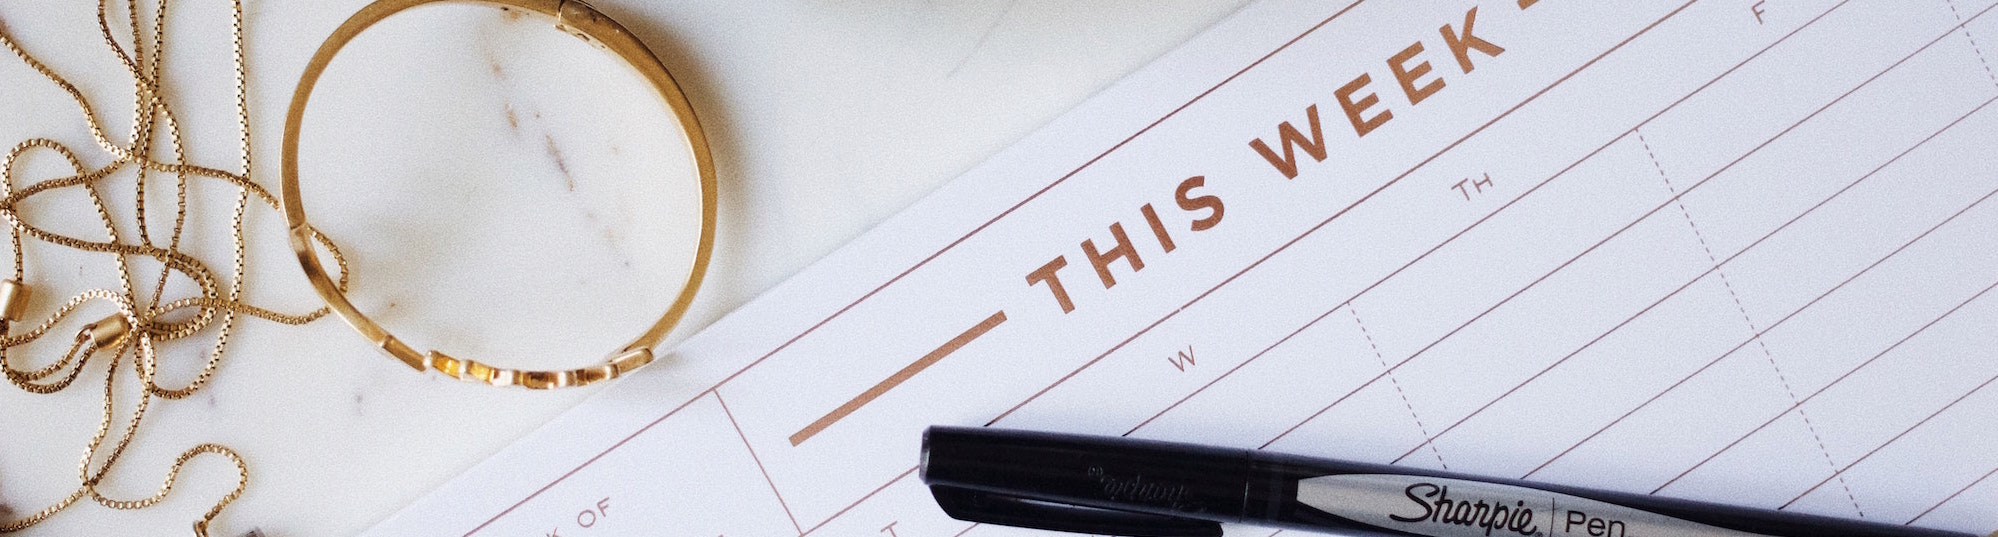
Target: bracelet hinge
{"x": 579, "y": 19}
{"x": 402, "y": 351}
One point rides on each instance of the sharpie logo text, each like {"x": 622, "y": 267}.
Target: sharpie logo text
{"x": 1137, "y": 490}
{"x": 1437, "y": 507}
{"x": 1445, "y": 507}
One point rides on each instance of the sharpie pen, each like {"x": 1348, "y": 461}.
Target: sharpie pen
{"x": 1141, "y": 488}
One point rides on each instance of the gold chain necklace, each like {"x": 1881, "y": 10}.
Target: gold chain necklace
{"x": 138, "y": 327}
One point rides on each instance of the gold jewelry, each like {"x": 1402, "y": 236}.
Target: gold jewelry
{"x": 138, "y": 325}
{"x": 576, "y": 18}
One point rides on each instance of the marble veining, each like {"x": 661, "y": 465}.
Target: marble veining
{"x": 500, "y": 189}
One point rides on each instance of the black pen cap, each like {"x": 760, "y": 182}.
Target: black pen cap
{"x": 1079, "y": 478}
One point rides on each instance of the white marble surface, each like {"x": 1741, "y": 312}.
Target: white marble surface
{"x": 504, "y": 192}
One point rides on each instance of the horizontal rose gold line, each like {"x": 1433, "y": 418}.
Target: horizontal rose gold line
{"x": 919, "y": 264}
{"x": 898, "y": 378}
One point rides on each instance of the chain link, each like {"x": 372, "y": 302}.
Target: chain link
{"x": 138, "y": 326}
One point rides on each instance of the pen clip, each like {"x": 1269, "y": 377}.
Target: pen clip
{"x": 1010, "y": 510}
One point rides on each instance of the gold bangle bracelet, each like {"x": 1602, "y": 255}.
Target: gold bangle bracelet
{"x": 578, "y": 19}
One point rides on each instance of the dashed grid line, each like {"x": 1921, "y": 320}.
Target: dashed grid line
{"x": 1762, "y": 344}
{"x": 1840, "y": 473}
{"x": 912, "y": 268}
{"x": 1986, "y": 197}
{"x": 1799, "y": 404}
{"x": 1689, "y": 283}
{"x": 1508, "y": 204}
{"x": 1397, "y": 384}
{"x": 1453, "y": 145}
{"x": 1356, "y": 203}
{"x": 1758, "y": 148}
{"x": 1751, "y": 246}
{"x": 1423, "y": 163}
{"x": 1779, "y": 322}
{"x": 1759, "y": 333}
{"x": 1974, "y": 47}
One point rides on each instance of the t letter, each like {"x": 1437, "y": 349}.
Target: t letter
{"x": 1047, "y": 274}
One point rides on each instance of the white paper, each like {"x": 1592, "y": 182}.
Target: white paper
{"x": 1727, "y": 251}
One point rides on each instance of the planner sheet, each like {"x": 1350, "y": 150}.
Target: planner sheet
{"x": 1727, "y": 250}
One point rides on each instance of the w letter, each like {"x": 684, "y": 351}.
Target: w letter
{"x": 1289, "y": 137}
